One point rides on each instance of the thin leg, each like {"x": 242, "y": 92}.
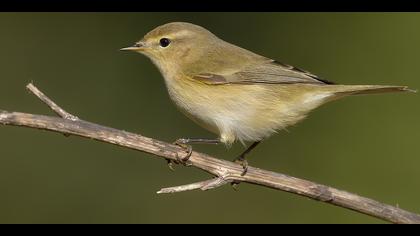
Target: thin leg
{"x": 241, "y": 158}
{"x": 197, "y": 141}
{"x": 185, "y": 143}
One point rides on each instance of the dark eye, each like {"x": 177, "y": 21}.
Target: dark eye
{"x": 164, "y": 42}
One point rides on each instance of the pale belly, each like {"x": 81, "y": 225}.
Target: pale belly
{"x": 241, "y": 112}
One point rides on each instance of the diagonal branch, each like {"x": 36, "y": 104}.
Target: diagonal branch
{"x": 203, "y": 185}
{"x": 57, "y": 109}
{"x": 224, "y": 171}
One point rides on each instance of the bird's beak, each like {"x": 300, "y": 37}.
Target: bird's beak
{"x": 139, "y": 46}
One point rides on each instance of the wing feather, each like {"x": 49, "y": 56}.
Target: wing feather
{"x": 272, "y": 72}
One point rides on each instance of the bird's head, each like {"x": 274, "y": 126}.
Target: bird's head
{"x": 176, "y": 45}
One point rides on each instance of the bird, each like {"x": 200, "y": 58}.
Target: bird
{"x": 237, "y": 94}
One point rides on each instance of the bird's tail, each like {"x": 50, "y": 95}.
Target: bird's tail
{"x": 345, "y": 90}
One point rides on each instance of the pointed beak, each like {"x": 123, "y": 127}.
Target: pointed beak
{"x": 139, "y": 46}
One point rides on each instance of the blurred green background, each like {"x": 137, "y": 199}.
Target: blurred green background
{"x": 368, "y": 145}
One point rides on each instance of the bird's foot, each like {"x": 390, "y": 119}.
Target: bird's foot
{"x": 234, "y": 185}
{"x": 188, "y": 149}
{"x": 171, "y": 164}
{"x": 184, "y": 143}
{"x": 243, "y": 162}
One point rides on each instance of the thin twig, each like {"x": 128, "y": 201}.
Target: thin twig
{"x": 203, "y": 185}
{"x": 224, "y": 171}
{"x": 57, "y": 109}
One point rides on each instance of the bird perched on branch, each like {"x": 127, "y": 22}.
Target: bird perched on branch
{"x": 233, "y": 92}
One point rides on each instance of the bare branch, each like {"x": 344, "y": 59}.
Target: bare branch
{"x": 203, "y": 185}
{"x": 57, "y": 109}
{"x": 224, "y": 171}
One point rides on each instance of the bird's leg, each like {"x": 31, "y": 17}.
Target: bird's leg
{"x": 241, "y": 158}
{"x": 185, "y": 143}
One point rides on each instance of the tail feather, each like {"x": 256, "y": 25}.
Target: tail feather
{"x": 368, "y": 89}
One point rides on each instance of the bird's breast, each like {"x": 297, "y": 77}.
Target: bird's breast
{"x": 244, "y": 112}
{"x": 201, "y": 103}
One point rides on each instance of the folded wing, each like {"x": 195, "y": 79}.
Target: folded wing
{"x": 271, "y": 72}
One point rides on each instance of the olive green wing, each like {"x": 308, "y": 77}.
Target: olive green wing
{"x": 271, "y": 72}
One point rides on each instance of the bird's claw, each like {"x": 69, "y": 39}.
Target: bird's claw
{"x": 171, "y": 164}
{"x": 234, "y": 185}
{"x": 188, "y": 148}
{"x": 243, "y": 162}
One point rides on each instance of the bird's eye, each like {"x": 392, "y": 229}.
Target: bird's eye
{"x": 164, "y": 42}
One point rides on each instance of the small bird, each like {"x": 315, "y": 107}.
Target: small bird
{"x": 233, "y": 92}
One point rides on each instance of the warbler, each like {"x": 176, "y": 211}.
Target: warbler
{"x": 233, "y": 92}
